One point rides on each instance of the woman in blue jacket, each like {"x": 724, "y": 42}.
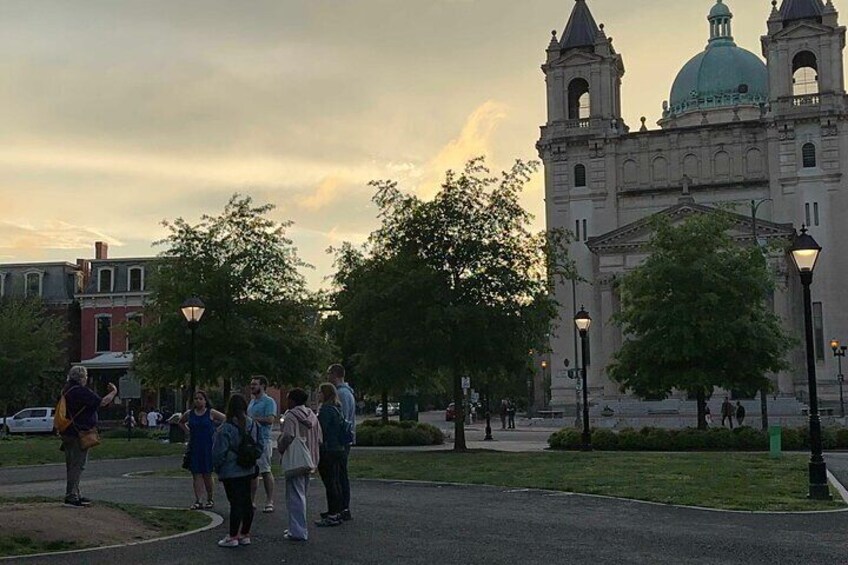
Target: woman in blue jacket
{"x": 236, "y": 479}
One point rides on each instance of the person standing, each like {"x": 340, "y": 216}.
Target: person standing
{"x": 263, "y": 411}
{"x": 299, "y": 421}
{"x": 200, "y": 423}
{"x": 153, "y": 419}
{"x": 727, "y": 412}
{"x": 331, "y": 454}
{"x": 510, "y": 411}
{"x": 236, "y": 478}
{"x": 504, "y": 408}
{"x": 81, "y": 404}
{"x": 708, "y": 415}
{"x": 347, "y": 400}
{"x": 740, "y": 413}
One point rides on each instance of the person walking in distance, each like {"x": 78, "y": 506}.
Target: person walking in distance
{"x": 740, "y": 413}
{"x": 347, "y": 399}
{"x": 504, "y": 409}
{"x": 263, "y": 411}
{"x": 331, "y": 455}
{"x": 727, "y": 412}
{"x": 236, "y": 478}
{"x": 82, "y": 404}
{"x": 200, "y": 423}
{"x": 510, "y": 411}
{"x": 299, "y": 421}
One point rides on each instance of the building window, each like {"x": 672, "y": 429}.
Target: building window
{"x": 818, "y": 330}
{"x": 805, "y": 74}
{"x": 135, "y": 282}
{"x": 134, "y": 322}
{"x": 811, "y": 219}
{"x": 808, "y": 155}
{"x": 103, "y": 333}
{"x": 585, "y": 231}
{"x": 579, "y": 176}
{"x": 33, "y": 284}
{"x": 815, "y": 213}
{"x": 807, "y": 214}
{"x": 577, "y": 230}
{"x": 2, "y": 285}
{"x": 105, "y": 279}
{"x": 579, "y": 104}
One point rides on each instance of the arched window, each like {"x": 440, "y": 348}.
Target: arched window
{"x": 808, "y": 155}
{"x": 579, "y": 105}
{"x": 631, "y": 172}
{"x": 805, "y": 74}
{"x": 579, "y": 175}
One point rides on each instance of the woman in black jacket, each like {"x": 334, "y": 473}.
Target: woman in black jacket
{"x": 332, "y": 453}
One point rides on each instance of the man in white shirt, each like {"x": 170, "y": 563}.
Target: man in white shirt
{"x": 153, "y": 419}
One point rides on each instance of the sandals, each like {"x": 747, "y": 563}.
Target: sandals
{"x": 196, "y": 506}
{"x": 268, "y": 508}
{"x": 209, "y": 504}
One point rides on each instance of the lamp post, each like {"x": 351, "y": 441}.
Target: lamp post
{"x": 488, "y": 416}
{"x": 839, "y": 353}
{"x": 805, "y": 252}
{"x": 755, "y": 205}
{"x": 583, "y": 321}
{"x": 193, "y": 310}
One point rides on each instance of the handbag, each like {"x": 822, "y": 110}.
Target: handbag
{"x": 297, "y": 459}
{"x": 89, "y": 438}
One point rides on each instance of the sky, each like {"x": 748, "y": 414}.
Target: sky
{"x": 119, "y": 114}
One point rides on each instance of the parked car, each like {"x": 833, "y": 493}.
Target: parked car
{"x": 393, "y": 409}
{"x": 450, "y": 412}
{"x": 29, "y": 421}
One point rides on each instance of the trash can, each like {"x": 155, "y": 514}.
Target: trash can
{"x": 774, "y": 441}
{"x": 409, "y": 408}
{"x": 176, "y": 434}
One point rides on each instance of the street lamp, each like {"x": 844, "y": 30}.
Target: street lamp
{"x": 805, "y": 253}
{"x": 583, "y": 321}
{"x": 839, "y": 353}
{"x": 193, "y": 310}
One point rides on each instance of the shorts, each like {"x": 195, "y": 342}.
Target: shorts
{"x": 264, "y": 462}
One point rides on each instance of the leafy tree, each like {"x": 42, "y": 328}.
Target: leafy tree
{"x": 31, "y": 346}
{"x": 486, "y": 299}
{"x": 259, "y": 317}
{"x": 696, "y": 315}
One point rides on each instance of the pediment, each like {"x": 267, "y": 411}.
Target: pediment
{"x": 802, "y": 29}
{"x": 635, "y": 236}
{"x": 575, "y": 58}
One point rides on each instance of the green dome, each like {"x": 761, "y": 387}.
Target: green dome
{"x": 719, "y": 10}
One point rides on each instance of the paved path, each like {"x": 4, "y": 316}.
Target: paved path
{"x": 429, "y": 524}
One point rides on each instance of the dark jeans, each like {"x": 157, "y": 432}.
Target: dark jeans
{"x": 512, "y": 421}
{"x": 330, "y": 469}
{"x": 344, "y": 479}
{"x": 241, "y": 507}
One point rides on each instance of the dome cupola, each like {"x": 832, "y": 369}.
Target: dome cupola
{"x": 721, "y": 84}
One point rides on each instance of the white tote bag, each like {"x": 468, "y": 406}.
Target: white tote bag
{"x": 297, "y": 459}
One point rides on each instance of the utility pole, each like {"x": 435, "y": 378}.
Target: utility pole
{"x": 755, "y": 205}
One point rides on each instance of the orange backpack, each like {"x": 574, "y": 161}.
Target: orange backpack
{"x": 61, "y": 421}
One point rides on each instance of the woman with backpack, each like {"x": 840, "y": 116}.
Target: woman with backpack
{"x": 234, "y": 454}
{"x": 331, "y": 454}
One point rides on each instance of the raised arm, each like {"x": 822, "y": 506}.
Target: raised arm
{"x": 218, "y": 417}
{"x": 107, "y": 400}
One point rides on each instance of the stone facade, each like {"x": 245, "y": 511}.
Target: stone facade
{"x": 603, "y": 180}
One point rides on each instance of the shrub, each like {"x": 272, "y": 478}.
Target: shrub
{"x": 566, "y": 438}
{"x": 604, "y": 440}
{"x": 842, "y": 438}
{"x": 394, "y": 434}
{"x": 137, "y": 433}
{"x": 748, "y": 438}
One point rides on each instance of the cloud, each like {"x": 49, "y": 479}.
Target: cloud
{"x": 21, "y": 239}
{"x": 326, "y": 192}
{"x": 474, "y": 140}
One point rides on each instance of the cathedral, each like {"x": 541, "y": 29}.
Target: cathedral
{"x": 769, "y": 135}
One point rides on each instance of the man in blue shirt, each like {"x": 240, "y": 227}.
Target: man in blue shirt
{"x": 263, "y": 410}
{"x": 336, "y": 374}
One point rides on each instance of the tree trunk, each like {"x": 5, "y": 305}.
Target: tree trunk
{"x": 459, "y": 421}
{"x": 228, "y": 386}
{"x": 384, "y": 402}
{"x": 702, "y": 413}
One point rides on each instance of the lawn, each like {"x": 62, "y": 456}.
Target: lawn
{"x": 40, "y": 450}
{"x": 731, "y": 481}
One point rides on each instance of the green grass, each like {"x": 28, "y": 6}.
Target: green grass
{"x": 40, "y": 450}
{"x": 24, "y": 545}
{"x": 730, "y": 481}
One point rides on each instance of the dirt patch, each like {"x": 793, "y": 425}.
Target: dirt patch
{"x": 92, "y": 526}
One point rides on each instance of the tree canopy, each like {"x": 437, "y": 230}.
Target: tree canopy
{"x": 696, "y": 314}
{"x": 259, "y": 317}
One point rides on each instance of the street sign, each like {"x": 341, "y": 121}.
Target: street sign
{"x": 129, "y": 387}
{"x": 466, "y": 383}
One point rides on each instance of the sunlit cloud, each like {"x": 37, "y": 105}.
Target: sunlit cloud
{"x": 33, "y": 240}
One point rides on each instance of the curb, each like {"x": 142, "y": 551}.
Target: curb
{"x": 840, "y": 488}
{"x": 216, "y": 520}
{"x": 515, "y": 490}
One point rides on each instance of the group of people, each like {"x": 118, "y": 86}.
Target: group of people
{"x": 215, "y": 440}
{"x": 507, "y": 414}
{"x": 218, "y": 441}
{"x": 728, "y": 413}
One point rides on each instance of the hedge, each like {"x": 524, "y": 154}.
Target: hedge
{"x": 137, "y": 433}
{"x": 395, "y": 434}
{"x": 691, "y": 439}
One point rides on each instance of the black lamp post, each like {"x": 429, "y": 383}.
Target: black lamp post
{"x": 488, "y": 416}
{"x": 583, "y": 321}
{"x": 193, "y": 310}
{"x": 839, "y": 353}
{"x": 805, "y": 252}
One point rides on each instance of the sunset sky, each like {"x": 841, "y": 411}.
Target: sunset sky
{"x": 119, "y": 114}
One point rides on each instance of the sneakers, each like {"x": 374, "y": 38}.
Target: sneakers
{"x": 229, "y": 542}
{"x": 244, "y": 540}
{"x": 77, "y": 502}
{"x": 329, "y": 521}
{"x": 288, "y": 537}
{"x": 346, "y": 516}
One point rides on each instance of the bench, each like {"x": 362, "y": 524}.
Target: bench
{"x": 551, "y": 413}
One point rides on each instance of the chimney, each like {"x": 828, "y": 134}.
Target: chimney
{"x": 101, "y": 250}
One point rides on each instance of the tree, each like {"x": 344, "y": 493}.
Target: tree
{"x": 259, "y": 317}
{"x": 488, "y": 286}
{"x": 696, "y": 315}
{"x": 30, "y": 347}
